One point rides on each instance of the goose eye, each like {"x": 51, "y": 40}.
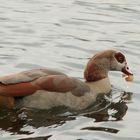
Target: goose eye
{"x": 120, "y": 57}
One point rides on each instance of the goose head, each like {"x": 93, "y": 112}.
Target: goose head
{"x": 100, "y": 64}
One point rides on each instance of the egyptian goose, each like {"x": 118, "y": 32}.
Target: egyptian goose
{"x": 44, "y": 88}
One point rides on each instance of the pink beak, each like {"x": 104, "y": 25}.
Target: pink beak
{"x": 126, "y": 70}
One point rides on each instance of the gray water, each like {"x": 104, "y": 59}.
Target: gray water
{"x": 63, "y": 34}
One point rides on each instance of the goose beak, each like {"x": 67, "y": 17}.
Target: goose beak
{"x": 126, "y": 70}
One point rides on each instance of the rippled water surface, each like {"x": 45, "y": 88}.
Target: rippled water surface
{"x": 63, "y": 34}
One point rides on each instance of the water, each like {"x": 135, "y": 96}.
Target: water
{"x": 63, "y": 35}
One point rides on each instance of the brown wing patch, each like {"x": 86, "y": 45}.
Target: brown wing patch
{"x": 20, "y": 89}
{"x": 61, "y": 83}
{"x": 54, "y": 83}
{"x": 58, "y": 83}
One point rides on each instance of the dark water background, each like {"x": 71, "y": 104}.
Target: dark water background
{"x": 63, "y": 34}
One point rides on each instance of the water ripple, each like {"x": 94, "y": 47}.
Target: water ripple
{"x": 64, "y": 34}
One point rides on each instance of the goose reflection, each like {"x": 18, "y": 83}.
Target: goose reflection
{"x": 14, "y": 121}
{"x": 110, "y": 110}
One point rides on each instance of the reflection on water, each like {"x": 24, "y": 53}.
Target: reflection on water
{"x": 13, "y": 121}
{"x": 111, "y": 130}
{"x": 63, "y": 35}
{"x": 37, "y": 138}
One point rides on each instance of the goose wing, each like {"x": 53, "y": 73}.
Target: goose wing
{"x": 27, "y": 76}
{"x": 54, "y": 83}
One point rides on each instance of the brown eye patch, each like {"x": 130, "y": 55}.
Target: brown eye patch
{"x": 120, "y": 57}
